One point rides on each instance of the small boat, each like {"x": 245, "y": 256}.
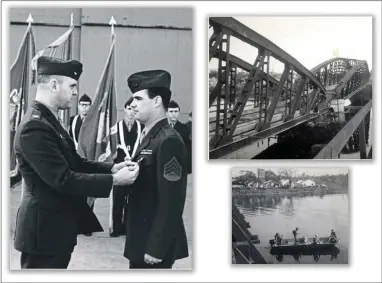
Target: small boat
{"x": 288, "y": 246}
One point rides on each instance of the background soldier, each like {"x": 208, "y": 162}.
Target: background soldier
{"x": 53, "y": 208}
{"x": 155, "y": 233}
{"x": 129, "y": 133}
{"x": 75, "y": 124}
{"x": 173, "y": 112}
{"x": 76, "y": 121}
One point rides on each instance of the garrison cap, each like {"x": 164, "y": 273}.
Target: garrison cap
{"x": 54, "y": 66}
{"x": 149, "y": 79}
{"x": 85, "y": 98}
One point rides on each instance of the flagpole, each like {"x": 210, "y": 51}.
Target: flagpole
{"x": 71, "y": 20}
{"x": 29, "y": 20}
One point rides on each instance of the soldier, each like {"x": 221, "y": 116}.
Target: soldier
{"x": 53, "y": 208}
{"x": 155, "y": 233}
{"x": 75, "y": 124}
{"x": 295, "y": 233}
{"x": 76, "y": 121}
{"x": 173, "y": 112}
{"x": 129, "y": 133}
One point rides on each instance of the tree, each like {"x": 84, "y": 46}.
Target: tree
{"x": 244, "y": 179}
{"x": 287, "y": 173}
{"x": 270, "y": 176}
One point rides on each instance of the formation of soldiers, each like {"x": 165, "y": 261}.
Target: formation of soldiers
{"x": 146, "y": 182}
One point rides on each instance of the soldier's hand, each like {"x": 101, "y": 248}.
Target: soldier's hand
{"x": 125, "y": 176}
{"x": 117, "y": 166}
{"x": 151, "y": 260}
{"x": 132, "y": 165}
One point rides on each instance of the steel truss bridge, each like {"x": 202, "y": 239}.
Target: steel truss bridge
{"x": 267, "y": 106}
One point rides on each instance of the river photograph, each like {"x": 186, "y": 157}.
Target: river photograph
{"x": 290, "y": 215}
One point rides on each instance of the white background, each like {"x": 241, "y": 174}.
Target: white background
{"x": 212, "y": 197}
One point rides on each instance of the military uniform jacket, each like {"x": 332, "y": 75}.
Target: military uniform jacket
{"x": 185, "y": 133}
{"x": 154, "y": 218}
{"x": 56, "y": 181}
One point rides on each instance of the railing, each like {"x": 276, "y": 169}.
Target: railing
{"x": 335, "y": 146}
{"x": 243, "y": 241}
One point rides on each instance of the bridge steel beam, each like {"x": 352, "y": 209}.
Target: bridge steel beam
{"x": 303, "y": 82}
{"x": 237, "y": 29}
{"x": 229, "y": 147}
{"x": 334, "y": 147}
{"x": 275, "y": 98}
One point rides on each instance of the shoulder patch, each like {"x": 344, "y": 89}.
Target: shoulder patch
{"x": 36, "y": 115}
{"x": 172, "y": 170}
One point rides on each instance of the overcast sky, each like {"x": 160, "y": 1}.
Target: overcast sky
{"x": 317, "y": 171}
{"x": 310, "y": 40}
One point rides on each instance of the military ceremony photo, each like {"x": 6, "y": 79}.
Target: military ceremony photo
{"x": 101, "y": 138}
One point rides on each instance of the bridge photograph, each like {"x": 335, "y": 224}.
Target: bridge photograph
{"x": 290, "y": 216}
{"x": 290, "y": 87}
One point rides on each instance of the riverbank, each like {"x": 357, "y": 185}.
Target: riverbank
{"x": 292, "y": 191}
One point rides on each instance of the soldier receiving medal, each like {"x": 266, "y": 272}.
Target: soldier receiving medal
{"x": 155, "y": 233}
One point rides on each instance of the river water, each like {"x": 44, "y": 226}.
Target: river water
{"x": 269, "y": 214}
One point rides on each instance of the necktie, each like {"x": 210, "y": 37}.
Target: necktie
{"x": 143, "y": 134}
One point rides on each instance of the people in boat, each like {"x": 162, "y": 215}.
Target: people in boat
{"x": 295, "y": 233}
{"x": 305, "y": 240}
{"x": 278, "y": 239}
{"x": 333, "y": 237}
{"x": 316, "y": 240}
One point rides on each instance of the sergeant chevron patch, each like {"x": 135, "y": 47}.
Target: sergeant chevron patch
{"x": 172, "y": 170}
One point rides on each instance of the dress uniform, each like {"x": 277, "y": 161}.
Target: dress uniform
{"x": 184, "y": 132}
{"x": 128, "y": 141}
{"x": 76, "y": 121}
{"x": 56, "y": 181}
{"x": 156, "y": 202}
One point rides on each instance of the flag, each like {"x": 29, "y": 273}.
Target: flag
{"x": 98, "y": 134}
{"x": 60, "y": 48}
{"x": 19, "y": 91}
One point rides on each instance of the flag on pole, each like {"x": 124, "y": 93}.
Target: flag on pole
{"x": 98, "y": 134}
{"x": 19, "y": 91}
{"x": 60, "y": 48}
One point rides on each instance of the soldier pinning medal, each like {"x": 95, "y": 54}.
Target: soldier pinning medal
{"x": 56, "y": 180}
{"x": 155, "y": 233}
{"x": 129, "y": 134}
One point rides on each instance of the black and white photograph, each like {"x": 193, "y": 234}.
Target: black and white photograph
{"x": 290, "y": 87}
{"x": 100, "y": 137}
{"x": 290, "y": 215}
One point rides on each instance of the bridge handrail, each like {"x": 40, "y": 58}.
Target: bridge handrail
{"x": 334, "y": 147}
{"x": 358, "y": 89}
{"x": 244, "y": 33}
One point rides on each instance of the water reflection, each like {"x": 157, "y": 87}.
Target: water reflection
{"x": 297, "y": 256}
{"x": 263, "y": 204}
